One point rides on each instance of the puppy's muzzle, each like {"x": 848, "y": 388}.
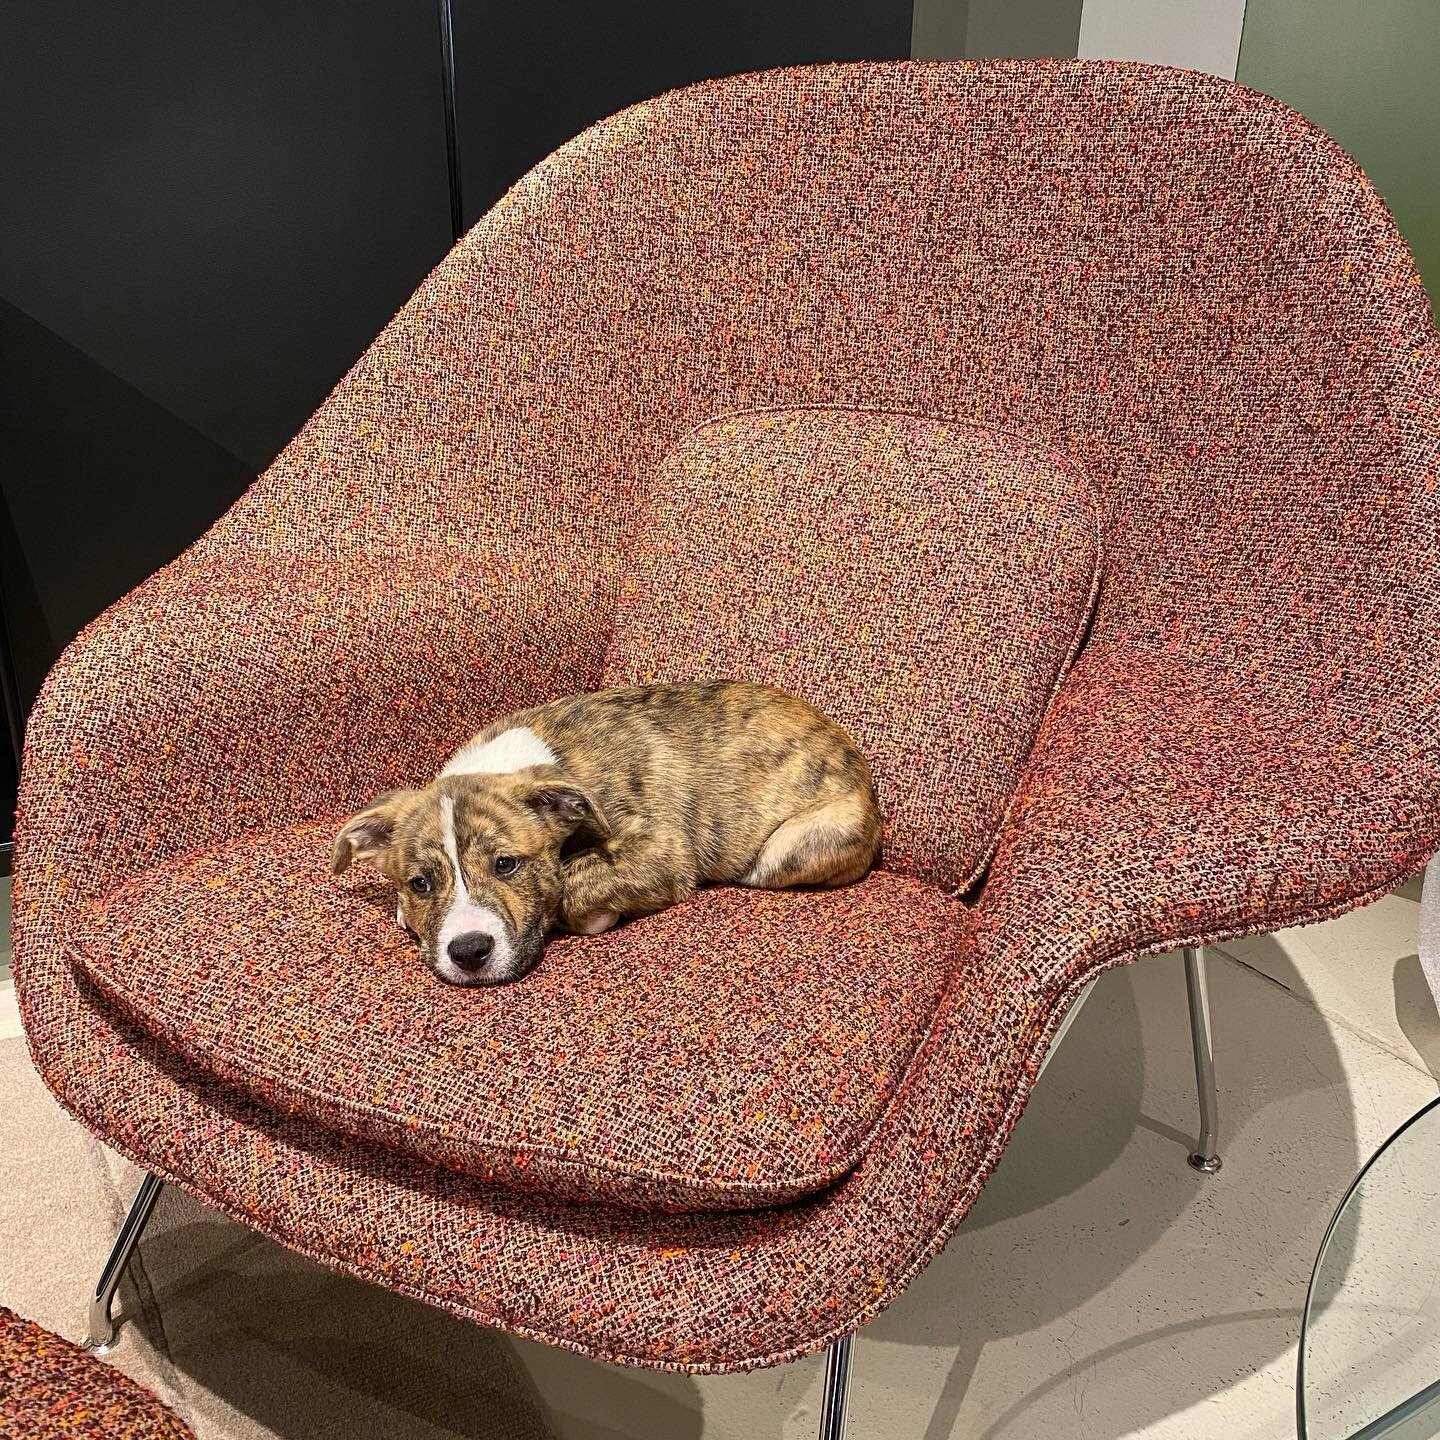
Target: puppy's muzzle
{"x": 471, "y": 952}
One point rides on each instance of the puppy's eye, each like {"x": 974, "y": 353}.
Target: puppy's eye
{"x": 420, "y": 884}
{"x": 506, "y": 864}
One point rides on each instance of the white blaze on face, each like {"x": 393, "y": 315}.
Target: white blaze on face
{"x": 509, "y": 751}
{"x": 464, "y": 916}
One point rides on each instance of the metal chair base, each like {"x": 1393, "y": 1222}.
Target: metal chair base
{"x": 1205, "y": 1158}
{"x": 101, "y": 1332}
{"x": 836, "y": 1394}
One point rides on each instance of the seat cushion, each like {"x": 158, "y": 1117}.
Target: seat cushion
{"x": 926, "y": 583}
{"x": 53, "y": 1390}
{"x": 736, "y": 1051}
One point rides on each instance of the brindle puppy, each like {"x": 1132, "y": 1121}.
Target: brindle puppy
{"x": 597, "y": 807}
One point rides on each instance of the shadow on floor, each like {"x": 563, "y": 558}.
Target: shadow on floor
{"x": 265, "y": 1342}
{"x": 1416, "y": 1012}
{"x": 1069, "y": 1213}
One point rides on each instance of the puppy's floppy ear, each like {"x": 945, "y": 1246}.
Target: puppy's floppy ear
{"x": 570, "y": 807}
{"x": 370, "y": 832}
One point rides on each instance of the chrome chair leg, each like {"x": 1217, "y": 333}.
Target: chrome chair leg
{"x": 837, "y": 1390}
{"x": 102, "y": 1327}
{"x": 1205, "y": 1158}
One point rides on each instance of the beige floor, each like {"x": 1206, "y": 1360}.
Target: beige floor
{"x": 1100, "y": 1290}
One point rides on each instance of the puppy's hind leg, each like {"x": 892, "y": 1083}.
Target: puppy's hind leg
{"x": 830, "y": 843}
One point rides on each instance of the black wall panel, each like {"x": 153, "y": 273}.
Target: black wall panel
{"x": 533, "y": 75}
{"x": 210, "y": 209}
{"x": 220, "y": 203}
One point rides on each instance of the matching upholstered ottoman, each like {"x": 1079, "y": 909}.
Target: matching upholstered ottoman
{"x": 53, "y": 1390}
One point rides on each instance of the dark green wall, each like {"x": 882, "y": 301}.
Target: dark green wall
{"x": 1367, "y": 71}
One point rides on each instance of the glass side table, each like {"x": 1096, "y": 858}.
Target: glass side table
{"x": 1370, "y": 1343}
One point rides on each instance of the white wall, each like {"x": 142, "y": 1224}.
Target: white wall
{"x": 1194, "y": 34}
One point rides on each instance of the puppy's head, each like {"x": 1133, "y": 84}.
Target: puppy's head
{"x": 478, "y": 861}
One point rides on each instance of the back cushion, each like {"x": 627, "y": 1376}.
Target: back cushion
{"x": 924, "y": 583}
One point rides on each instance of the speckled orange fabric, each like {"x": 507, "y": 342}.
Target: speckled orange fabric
{"x": 924, "y": 584}
{"x": 53, "y": 1390}
{"x": 1179, "y": 284}
{"x": 735, "y": 1051}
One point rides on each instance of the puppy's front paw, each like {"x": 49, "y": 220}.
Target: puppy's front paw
{"x": 595, "y": 923}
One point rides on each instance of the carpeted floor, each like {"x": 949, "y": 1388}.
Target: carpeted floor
{"x": 249, "y": 1341}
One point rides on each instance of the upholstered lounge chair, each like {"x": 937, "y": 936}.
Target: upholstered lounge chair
{"x": 862, "y": 379}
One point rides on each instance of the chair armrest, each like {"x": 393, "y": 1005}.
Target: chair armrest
{"x": 1174, "y": 801}
{"x": 1168, "y": 801}
{"x": 238, "y": 692}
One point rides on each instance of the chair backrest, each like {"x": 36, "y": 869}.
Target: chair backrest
{"x": 926, "y": 585}
{"x": 1177, "y": 282}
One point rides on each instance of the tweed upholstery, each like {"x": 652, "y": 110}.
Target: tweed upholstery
{"x": 1179, "y": 284}
{"x": 735, "y": 1051}
{"x": 924, "y": 584}
{"x": 425, "y": 649}
{"x": 53, "y": 1390}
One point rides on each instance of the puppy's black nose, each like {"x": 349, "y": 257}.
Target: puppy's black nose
{"x": 470, "y": 952}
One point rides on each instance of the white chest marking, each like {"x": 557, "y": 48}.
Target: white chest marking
{"x": 509, "y": 751}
